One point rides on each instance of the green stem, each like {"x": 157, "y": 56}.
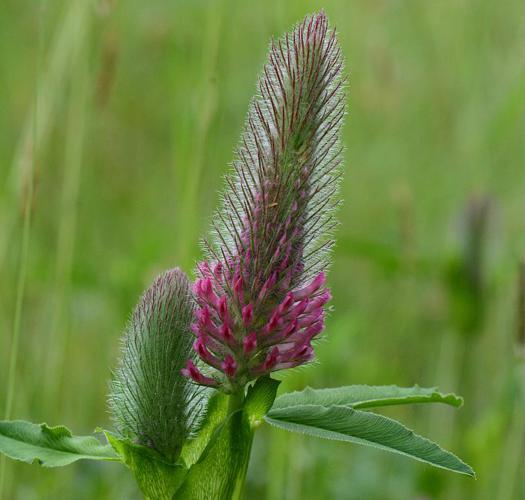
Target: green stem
{"x": 235, "y": 401}
{"x": 241, "y": 479}
{"x": 221, "y": 467}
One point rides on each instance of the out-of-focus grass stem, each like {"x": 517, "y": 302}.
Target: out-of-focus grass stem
{"x": 24, "y": 252}
{"x": 74, "y": 144}
{"x": 36, "y": 134}
{"x": 20, "y": 289}
{"x": 295, "y": 468}
{"x": 512, "y": 457}
{"x": 513, "y": 452}
{"x": 189, "y": 193}
{"x": 276, "y": 464}
{"x": 464, "y": 280}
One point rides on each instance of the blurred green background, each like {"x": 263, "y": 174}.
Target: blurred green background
{"x": 117, "y": 123}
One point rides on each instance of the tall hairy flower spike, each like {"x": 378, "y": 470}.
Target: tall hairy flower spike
{"x": 151, "y": 402}
{"x": 261, "y": 292}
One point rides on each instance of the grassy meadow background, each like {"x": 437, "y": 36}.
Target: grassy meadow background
{"x": 117, "y": 122}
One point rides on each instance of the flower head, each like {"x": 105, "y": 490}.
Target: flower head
{"x": 261, "y": 292}
{"x": 151, "y": 403}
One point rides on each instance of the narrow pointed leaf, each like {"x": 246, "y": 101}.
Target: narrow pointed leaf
{"x": 365, "y": 396}
{"x": 49, "y": 446}
{"x": 343, "y": 423}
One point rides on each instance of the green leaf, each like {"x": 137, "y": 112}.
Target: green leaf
{"x": 216, "y": 412}
{"x": 365, "y": 396}
{"x": 343, "y": 423}
{"x": 157, "y": 479}
{"x": 220, "y": 471}
{"x": 49, "y": 446}
{"x": 260, "y": 399}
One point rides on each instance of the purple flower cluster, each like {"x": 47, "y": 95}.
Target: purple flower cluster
{"x": 234, "y": 338}
{"x": 261, "y": 291}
